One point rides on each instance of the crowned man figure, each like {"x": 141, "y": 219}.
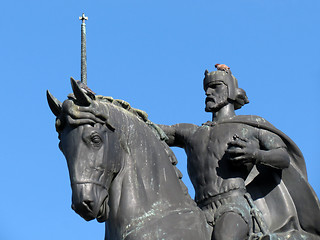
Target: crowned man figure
{"x": 249, "y": 178}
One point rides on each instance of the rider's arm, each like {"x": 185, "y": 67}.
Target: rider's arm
{"x": 273, "y": 151}
{"x": 178, "y": 134}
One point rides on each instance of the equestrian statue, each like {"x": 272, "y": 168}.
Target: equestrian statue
{"x": 250, "y": 179}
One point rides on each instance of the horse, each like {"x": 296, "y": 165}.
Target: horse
{"x": 122, "y": 173}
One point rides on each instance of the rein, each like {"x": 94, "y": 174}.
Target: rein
{"x": 90, "y": 182}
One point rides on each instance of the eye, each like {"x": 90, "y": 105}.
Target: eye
{"x": 95, "y": 139}
{"x": 212, "y": 86}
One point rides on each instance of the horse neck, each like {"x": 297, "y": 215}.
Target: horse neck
{"x": 147, "y": 182}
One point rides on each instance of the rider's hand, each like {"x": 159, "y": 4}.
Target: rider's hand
{"x": 77, "y": 114}
{"x": 242, "y": 151}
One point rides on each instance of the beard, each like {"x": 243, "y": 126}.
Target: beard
{"x": 214, "y": 104}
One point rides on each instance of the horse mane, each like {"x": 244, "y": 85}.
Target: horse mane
{"x": 142, "y": 115}
{"x": 125, "y": 105}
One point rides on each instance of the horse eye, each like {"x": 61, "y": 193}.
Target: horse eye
{"x": 96, "y": 139}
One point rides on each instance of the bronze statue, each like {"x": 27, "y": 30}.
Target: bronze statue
{"x": 250, "y": 179}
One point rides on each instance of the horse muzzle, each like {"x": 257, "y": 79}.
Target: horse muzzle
{"x": 90, "y": 201}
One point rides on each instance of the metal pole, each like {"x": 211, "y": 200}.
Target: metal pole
{"x": 83, "y": 50}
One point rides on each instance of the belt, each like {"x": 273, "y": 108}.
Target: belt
{"x": 231, "y": 193}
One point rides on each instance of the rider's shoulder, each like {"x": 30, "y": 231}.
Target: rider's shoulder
{"x": 253, "y": 119}
{"x": 245, "y": 119}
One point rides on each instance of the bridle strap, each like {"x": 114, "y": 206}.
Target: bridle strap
{"x": 90, "y": 182}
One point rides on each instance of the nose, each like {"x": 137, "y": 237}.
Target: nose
{"x": 88, "y": 204}
{"x": 85, "y": 206}
{"x": 208, "y": 92}
{"x": 84, "y": 209}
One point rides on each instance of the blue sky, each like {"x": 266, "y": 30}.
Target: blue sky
{"x": 152, "y": 54}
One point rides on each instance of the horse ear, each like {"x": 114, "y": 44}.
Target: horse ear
{"x": 54, "y": 104}
{"x": 80, "y": 94}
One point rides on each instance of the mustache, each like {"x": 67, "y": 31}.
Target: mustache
{"x": 209, "y": 99}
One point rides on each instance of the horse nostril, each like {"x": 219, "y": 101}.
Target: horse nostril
{"x": 83, "y": 206}
{"x": 88, "y": 204}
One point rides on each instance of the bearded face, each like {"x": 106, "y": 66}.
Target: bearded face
{"x": 217, "y": 96}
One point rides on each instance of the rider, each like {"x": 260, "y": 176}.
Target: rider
{"x": 229, "y": 152}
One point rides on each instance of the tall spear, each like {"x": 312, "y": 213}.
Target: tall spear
{"x": 83, "y": 50}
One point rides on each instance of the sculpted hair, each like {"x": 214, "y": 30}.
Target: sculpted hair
{"x": 241, "y": 98}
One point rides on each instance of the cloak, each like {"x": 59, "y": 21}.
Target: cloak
{"x": 294, "y": 177}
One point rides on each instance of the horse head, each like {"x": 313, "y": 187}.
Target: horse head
{"x": 84, "y": 134}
